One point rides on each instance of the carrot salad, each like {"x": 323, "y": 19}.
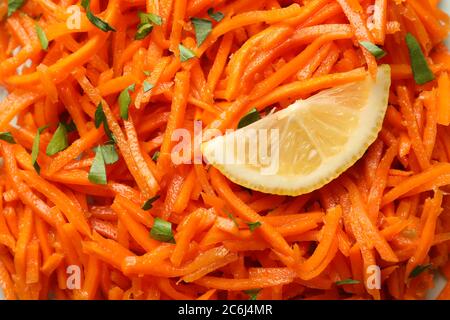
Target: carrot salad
{"x": 92, "y": 207}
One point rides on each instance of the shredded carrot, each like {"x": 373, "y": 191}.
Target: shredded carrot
{"x": 443, "y": 98}
{"x": 155, "y": 228}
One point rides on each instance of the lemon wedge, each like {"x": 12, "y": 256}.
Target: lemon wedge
{"x": 306, "y": 145}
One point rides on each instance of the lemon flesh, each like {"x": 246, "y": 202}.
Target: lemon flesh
{"x": 304, "y": 146}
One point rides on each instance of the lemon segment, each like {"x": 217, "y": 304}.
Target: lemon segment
{"x": 306, "y": 145}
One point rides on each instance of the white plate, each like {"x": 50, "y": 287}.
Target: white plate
{"x": 440, "y": 280}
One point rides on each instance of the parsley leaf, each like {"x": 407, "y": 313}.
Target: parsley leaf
{"x": 109, "y": 153}
{"x": 96, "y": 21}
{"x": 150, "y": 18}
{"x": 253, "y": 293}
{"x": 42, "y": 37}
{"x": 230, "y": 215}
{"x": 421, "y": 71}
{"x": 185, "y": 53}
{"x": 35, "y": 149}
{"x": 147, "y": 86}
{"x": 147, "y": 21}
{"x": 7, "y": 136}
{"x": 252, "y": 116}
{"x": 155, "y": 156}
{"x": 202, "y": 29}
{"x": 346, "y": 281}
{"x": 162, "y": 231}
{"x": 100, "y": 118}
{"x": 14, "y": 5}
{"x": 143, "y": 30}
{"x": 217, "y": 16}
{"x": 97, "y": 173}
{"x": 253, "y": 225}
{"x": 149, "y": 203}
{"x": 376, "y": 51}
{"x": 59, "y": 140}
{"x": 70, "y": 127}
{"x": 124, "y": 101}
{"x": 419, "y": 269}
{"x": 104, "y": 155}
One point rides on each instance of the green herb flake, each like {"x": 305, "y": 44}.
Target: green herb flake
{"x": 419, "y": 269}
{"x": 7, "y": 136}
{"x": 376, "y": 51}
{"x": 202, "y": 29}
{"x": 109, "y": 153}
{"x": 150, "y": 18}
{"x": 147, "y": 86}
{"x": 96, "y": 21}
{"x": 35, "y": 149}
{"x": 59, "y": 140}
{"x": 155, "y": 156}
{"x": 147, "y": 21}
{"x": 97, "y": 173}
{"x": 253, "y": 225}
{"x": 346, "y": 281}
{"x": 143, "y": 30}
{"x": 252, "y": 293}
{"x": 147, "y": 73}
{"x": 185, "y": 53}
{"x": 100, "y": 118}
{"x": 217, "y": 16}
{"x": 14, "y": 5}
{"x": 70, "y": 127}
{"x": 230, "y": 215}
{"x": 421, "y": 70}
{"x": 162, "y": 231}
{"x": 124, "y": 101}
{"x": 252, "y": 116}
{"x": 149, "y": 203}
{"x": 42, "y": 37}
